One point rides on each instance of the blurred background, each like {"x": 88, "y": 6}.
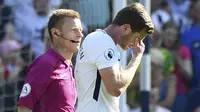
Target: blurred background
{"x": 174, "y": 48}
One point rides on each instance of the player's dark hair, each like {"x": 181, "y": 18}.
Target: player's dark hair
{"x": 135, "y": 15}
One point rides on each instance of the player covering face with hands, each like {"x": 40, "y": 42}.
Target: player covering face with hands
{"x": 50, "y": 85}
{"x": 99, "y": 78}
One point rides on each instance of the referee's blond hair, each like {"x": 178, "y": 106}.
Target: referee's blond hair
{"x": 57, "y": 17}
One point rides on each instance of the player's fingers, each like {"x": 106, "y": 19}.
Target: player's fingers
{"x": 136, "y": 42}
{"x": 142, "y": 43}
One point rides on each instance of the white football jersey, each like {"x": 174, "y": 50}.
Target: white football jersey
{"x": 97, "y": 51}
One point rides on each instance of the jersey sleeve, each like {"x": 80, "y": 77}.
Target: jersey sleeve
{"x": 100, "y": 50}
{"x": 36, "y": 83}
{"x": 107, "y": 58}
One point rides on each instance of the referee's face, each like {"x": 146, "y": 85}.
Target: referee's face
{"x": 71, "y": 34}
{"x": 128, "y": 39}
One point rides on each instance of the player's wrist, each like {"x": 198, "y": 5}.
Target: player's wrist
{"x": 137, "y": 56}
{"x": 135, "y": 61}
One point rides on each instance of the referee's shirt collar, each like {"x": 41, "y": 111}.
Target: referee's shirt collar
{"x": 56, "y": 54}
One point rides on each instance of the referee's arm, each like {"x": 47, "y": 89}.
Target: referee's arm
{"x": 117, "y": 80}
{"x": 23, "y": 109}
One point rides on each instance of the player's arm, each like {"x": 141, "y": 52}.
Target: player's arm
{"x": 23, "y": 109}
{"x": 117, "y": 80}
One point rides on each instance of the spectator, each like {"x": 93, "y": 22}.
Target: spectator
{"x": 183, "y": 66}
{"x": 168, "y": 88}
{"x": 35, "y": 12}
{"x": 161, "y": 15}
{"x": 91, "y": 11}
{"x": 10, "y": 50}
{"x": 154, "y": 107}
{"x": 23, "y": 11}
{"x": 164, "y": 14}
{"x": 180, "y": 6}
{"x": 157, "y": 78}
{"x": 191, "y": 38}
{"x": 41, "y": 7}
{"x": 155, "y": 5}
{"x": 193, "y": 103}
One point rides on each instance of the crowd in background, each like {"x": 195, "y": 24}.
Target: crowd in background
{"x": 175, "y": 48}
{"x": 175, "y": 58}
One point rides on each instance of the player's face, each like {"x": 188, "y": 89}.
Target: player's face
{"x": 129, "y": 38}
{"x": 71, "y": 30}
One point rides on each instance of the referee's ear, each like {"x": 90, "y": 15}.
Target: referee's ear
{"x": 55, "y": 33}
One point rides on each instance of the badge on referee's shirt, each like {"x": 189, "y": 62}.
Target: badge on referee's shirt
{"x": 25, "y": 90}
{"x": 109, "y": 54}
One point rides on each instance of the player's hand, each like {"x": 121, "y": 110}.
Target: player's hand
{"x": 138, "y": 48}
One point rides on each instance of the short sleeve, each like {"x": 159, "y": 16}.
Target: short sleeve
{"x": 108, "y": 58}
{"x": 184, "y": 52}
{"x": 100, "y": 50}
{"x": 36, "y": 83}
